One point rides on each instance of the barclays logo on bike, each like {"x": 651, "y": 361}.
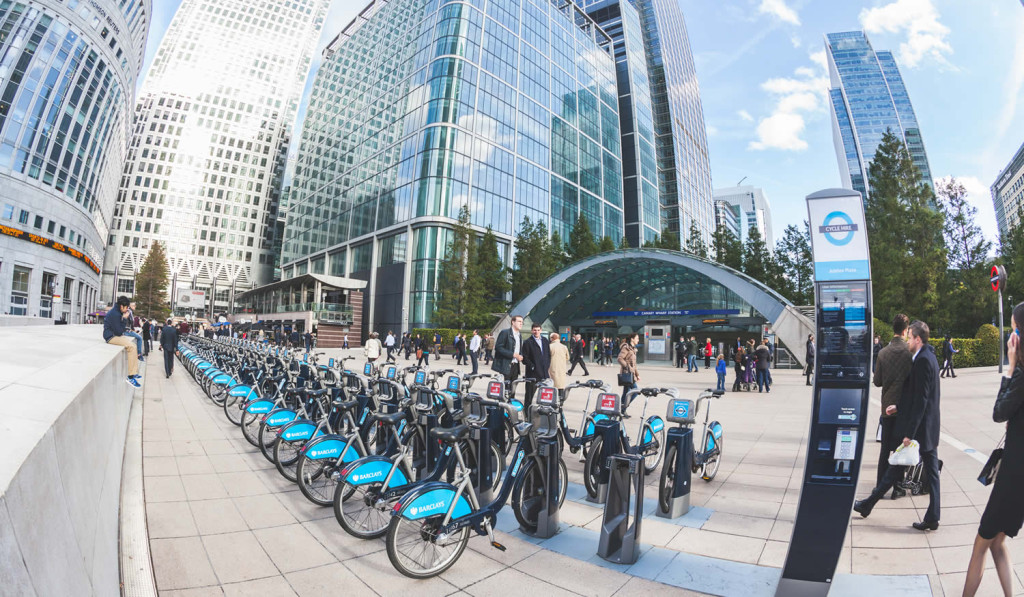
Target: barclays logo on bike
{"x": 319, "y": 453}
{"x": 368, "y": 476}
{"x": 424, "y": 509}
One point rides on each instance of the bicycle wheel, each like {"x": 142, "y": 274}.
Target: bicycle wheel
{"x": 530, "y": 491}
{"x": 233, "y": 409}
{"x": 668, "y": 476}
{"x": 251, "y": 428}
{"x": 710, "y": 468}
{"x": 652, "y": 456}
{"x": 314, "y": 480}
{"x": 360, "y": 511}
{"x": 416, "y": 550}
{"x": 267, "y": 439}
{"x": 497, "y": 466}
{"x": 218, "y": 393}
{"x": 592, "y": 467}
{"x": 510, "y": 437}
{"x": 286, "y": 456}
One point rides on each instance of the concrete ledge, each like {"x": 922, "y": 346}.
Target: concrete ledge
{"x": 17, "y": 321}
{"x": 64, "y": 408}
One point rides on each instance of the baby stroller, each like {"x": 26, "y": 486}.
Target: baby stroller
{"x": 912, "y": 481}
{"x": 749, "y": 381}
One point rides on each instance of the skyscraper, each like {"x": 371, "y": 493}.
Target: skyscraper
{"x": 206, "y": 162}
{"x": 743, "y": 208}
{"x": 868, "y": 97}
{"x": 1008, "y": 193}
{"x": 67, "y": 83}
{"x": 655, "y": 62}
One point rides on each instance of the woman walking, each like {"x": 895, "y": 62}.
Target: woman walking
{"x": 559, "y": 364}
{"x": 627, "y": 364}
{"x": 739, "y": 359}
{"x": 1004, "y": 513}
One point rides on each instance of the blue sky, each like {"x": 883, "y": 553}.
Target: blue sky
{"x": 763, "y": 84}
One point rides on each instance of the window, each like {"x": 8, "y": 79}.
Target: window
{"x": 46, "y": 290}
{"x": 126, "y": 287}
{"x": 39, "y": 222}
{"x": 19, "y": 290}
{"x": 23, "y": 217}
{"x": 8, "y": 212}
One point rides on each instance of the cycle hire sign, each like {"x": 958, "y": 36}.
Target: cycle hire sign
{"x": 839, "y": 237}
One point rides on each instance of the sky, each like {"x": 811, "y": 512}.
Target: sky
{"x": 761, "y": 70}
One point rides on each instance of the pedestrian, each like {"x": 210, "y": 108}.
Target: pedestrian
{"x": 507, "y": 350}
{"x": 720, "y": 369}
{"x": 460, "y": 349}
{"x": 691, "y": 354}
{"x": 308, "y": 339}
{"x": 437, "y": 345}
{"x": 169, "y": 346}
{"x": 421, "y": 351}
{"x": 707, "y": 354}
{"x": 917, "y": 419}
{"x": 680, "y": 352}
{"x": 114, "y": 333}
{"x": 1004, "y": 513}
{"x": 537, "y": 358}
{"x": 609, "y": 348}
{"x": 577, "y": 355}
{"x": 474, "y": 351}
{"x": 764, "y": 357}
{"x": 489, "y": 349}
{"x": 407, "y": 344}
{"x": 947, "y": 357}
{"x": 373, "y": 349}
{"x": 892, "y": 367}
{"x": 295, "y": 338}
{"x": 147, "y": 338}
{"x": 629, "y": 377}
{"x": 131, "y": 325}
{"x": 809, "y": 357}
{"x": 739, "y": 360}
{"x": 559, "y": 361}
{"x": 389, "y": 344}
{"x": 344, "y": 342}
{"x": 875, "y": 349}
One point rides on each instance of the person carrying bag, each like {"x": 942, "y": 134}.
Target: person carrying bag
{"x": 628, "y": 375}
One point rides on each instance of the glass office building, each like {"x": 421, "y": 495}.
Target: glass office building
{"x": 1008, "y": 194}
{"x": 67, "y": 82}
{"x": 867, "y": 98}
{"x": 422, "y": 107}
{"x": 744, "y": 208}
{"x": 206, "y": 161}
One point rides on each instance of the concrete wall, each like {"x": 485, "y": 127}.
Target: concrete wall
{"x": 17, "y": 320}
{"x": 64, "y": 408}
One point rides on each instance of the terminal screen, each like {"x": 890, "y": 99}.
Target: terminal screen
{"x": 330, "y": 363}
{"x": 421, "y": 377}
{"x": 840, "y": 406}
{"x": 547, "y": 396}
{"x": 844, "y": 331}
{"x": 495, "y": 389}
{"x": 681, "y": 409}
{"x": 453, "y": 383}
{"x": 391, "y": 372}
{"x": 368, "y": 369}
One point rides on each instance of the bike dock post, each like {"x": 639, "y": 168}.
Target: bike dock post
{"x": 620, "y": 533}
{"x": 608, "y": 430}
{"x": 681, "y": 437}
{"x": 484, "y": 475}
{"x": 496, "y": 416}
{"x": 544, "y": 416}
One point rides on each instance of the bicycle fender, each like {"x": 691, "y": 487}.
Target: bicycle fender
{"x": 242, "y": 391}
{"x": 279, "y": 417}
{"x": 223, "y": 379}
{"x": 653, "y": 425}
{"x": 259, "y": 406}
{"x": 591, "y": 423}
{"x": 431, "y": 499}
{"x": 203, "y": 366}
{"x": 298, "y": 430}
{"x": 372, "y": 469}
{"x": 329, "y": 447}
{"x": 716, "y": 434}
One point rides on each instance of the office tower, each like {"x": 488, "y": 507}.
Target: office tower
{"x": 1008, "y": 193}
{"x": 655, "y": 63}
{"x": 205, "y": 167}
{"x": 419, "y": 110}
{"x": 744, "y": 208}
{"x": 867, "y": 98}
{"x": 67, "y": 83}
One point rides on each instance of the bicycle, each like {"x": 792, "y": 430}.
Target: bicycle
{"x": 651, "y": 434}
{"x": 706, "y": 454}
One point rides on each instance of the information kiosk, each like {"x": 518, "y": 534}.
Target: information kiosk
{"x": 842, "y": 377}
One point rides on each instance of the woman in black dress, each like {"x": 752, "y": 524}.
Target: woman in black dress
{"x": 1004, "y": 513}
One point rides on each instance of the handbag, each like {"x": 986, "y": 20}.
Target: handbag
{"x": 909, "y": 455}
{"x": 419, "y": 353}
{"x": 626, "y": 379}
{"x": 991, "y": 468}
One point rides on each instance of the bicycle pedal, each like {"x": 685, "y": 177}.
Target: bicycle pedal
{"x": 498, "y": 546}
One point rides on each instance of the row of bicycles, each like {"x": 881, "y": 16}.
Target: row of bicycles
{"x": 425, "y": 458}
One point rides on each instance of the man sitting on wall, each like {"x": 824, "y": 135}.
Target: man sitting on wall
{"x": 114, "y": 333}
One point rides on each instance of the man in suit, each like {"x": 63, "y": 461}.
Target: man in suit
{"x": 508, "y": 350}
{"x": 576, "y": 355}
{"x": 537, "y": 358}
{"x": 892, "y": 367}
{"x": 169, "y": 345}
{"x": 917, "y": 419}
{"x": 809, "y": 357}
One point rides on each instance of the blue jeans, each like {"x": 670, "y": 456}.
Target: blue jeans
{"x": 138, "y": 340}
{"x": 691, "y": 363}
{"x": 762, "y": 380}
{"x": 721, "y": 382}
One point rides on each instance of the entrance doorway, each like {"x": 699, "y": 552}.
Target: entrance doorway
{"x": 658, "y": 346}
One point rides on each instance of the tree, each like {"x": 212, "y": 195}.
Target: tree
{"x": 905, "y": 232}
{"x": 151, "y": 285}
{"x": 793, "y": 256}
{"x": 607, "y": 244}
{"x": 555, "y": 257}
{"x": 531, "y": 246}
{"x": 455, "y": 303}
{"x": 970, "y": 302}
{"x": 728, "y": 249}
{"x": 493, "y": 276}
{"x": 581, "y": 240}
{"x": 757, "y": 261}
{"x": 695, "y": 242}
{"x": 623, "y": 242}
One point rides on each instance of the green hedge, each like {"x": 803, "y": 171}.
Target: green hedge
{"x": 988, "y": 350}
{"x": 980, "y": 351}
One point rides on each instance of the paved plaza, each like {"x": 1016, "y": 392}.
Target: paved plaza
{"x": 223, "y": 521}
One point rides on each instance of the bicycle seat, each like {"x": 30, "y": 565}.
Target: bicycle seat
{"x": 718, "y": 393}
{"x": 389, "y": 418}
{"x": 346, "y": 405}
{"x": 315, "y": 393}
{"x": 524, "y": 429}
{"x": 450, "y": 434}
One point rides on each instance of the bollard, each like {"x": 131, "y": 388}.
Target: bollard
{"x": 674, "y": 500}
{"x": 608, "y": 430}
{"x": 620, "y": 532}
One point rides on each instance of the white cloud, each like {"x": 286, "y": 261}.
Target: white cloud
{"x": 796, "y": 97}
{"x": 779, "y": 10}
{"x": 712, "y": 130}
{"x": 926, "y": 36}
{"x": 745, "y": 115}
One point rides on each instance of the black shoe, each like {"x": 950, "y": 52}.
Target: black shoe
{"x": 926, "y": 526}
{"x": 898, "y": 493}
{"x": 954, "y": 375}
{"x": 864, "y": 507}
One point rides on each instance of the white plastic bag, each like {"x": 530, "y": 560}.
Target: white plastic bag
{"x": 906, "y": 455}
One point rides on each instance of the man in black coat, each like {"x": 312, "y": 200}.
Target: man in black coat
{"x": 537, "y": 358}
{"x": 576, "y": 355}
{"x": 169, "y": 345}
{"x": 809, "y": 357}
{"x": 917, "y": 419}
{"x": 508, "y": 350}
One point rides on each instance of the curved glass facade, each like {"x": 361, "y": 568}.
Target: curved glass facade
{"x": 507, "y": 107}
{"x": 67, "y": 80}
